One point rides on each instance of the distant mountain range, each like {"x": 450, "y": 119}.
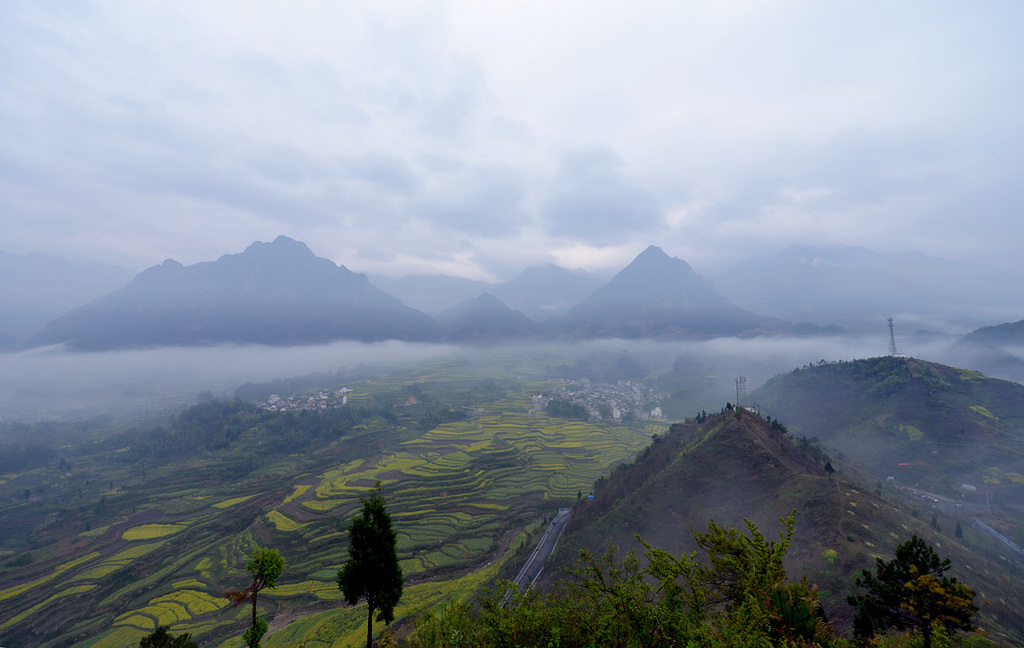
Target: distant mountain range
{"x": 280, "y": 293}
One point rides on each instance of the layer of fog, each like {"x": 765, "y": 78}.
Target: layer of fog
{"x": 55, "y": 384}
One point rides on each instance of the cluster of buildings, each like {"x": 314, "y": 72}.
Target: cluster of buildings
{"x": 623, "y": 399}
{"x": 321, "y": 400}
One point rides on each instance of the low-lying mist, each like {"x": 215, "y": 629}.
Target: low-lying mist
{"x": 56, "y": 384}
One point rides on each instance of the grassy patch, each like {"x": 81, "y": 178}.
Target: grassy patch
{"x": 152, "y": 531}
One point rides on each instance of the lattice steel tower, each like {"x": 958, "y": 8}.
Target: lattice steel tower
{"x": 741, "y": 390}
{"x": 892, "y": 340}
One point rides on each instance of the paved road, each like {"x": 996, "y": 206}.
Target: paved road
{"x": 535, "y": 565}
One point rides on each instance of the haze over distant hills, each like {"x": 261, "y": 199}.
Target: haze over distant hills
{"x": 35, "y": 289}
{"x": 857, "y": 288}
{"x": 280, "y": 293}
{"x": 539, "y": 292}
{"x": 486, "y": 318}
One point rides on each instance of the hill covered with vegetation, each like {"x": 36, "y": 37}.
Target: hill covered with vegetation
{"x": 923, "y": 424}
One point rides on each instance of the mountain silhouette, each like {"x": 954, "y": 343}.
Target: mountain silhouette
{"x": 486, "y": 317}
{"x": 659, "y": 296}
{"x": 272, "y": 293}
{"x": 546, "y": 290}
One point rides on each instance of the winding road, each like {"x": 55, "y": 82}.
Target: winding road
{"x": 535, "y": 565}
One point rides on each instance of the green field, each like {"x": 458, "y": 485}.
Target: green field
{"x": 129, "y": 545}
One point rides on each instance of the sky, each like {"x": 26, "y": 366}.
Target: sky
{"x": 478, "y": 138}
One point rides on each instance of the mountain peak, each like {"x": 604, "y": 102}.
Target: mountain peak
{"x": 652, "y": 252}
{"x": 272, "y": 293}
{"x": 485, "y": 317}
{"x": 281, "y": 247}
{"x": 659, "y": 296}
{"x": 656, "y": 258}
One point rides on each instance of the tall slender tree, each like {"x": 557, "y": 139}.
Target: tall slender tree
{"x": 265, "y": 565}
{"x": 372, "y": 571}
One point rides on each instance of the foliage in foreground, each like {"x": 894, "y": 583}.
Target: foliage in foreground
{"x": 736, "y": 596}
{"x": 912, "y": 592}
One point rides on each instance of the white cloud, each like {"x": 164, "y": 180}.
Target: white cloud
{"x": 441, "y": 131}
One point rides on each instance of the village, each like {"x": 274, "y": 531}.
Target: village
{"x": 603, "y": 401}
{"x": 319, "y": 401}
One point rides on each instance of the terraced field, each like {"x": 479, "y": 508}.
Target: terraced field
{"x": 463, "y": 496}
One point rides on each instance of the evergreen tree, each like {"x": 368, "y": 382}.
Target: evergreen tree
{"x": 161, "y": 638}
{"x": 912, "y": 592}
{"x": 372, "y": 571}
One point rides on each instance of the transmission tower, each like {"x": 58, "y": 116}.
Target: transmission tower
{"x": 741, "y": 390}
{"x": 892, "y": 340}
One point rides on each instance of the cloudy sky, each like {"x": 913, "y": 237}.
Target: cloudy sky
{"x": 477, "y": 138}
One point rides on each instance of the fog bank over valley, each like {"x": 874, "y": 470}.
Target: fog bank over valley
{"x": 52, "y": 383}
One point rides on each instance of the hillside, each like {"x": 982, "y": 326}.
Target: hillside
{"x": 919, "y": 422}
{"x": 272, "y": 293}
{"x": 1010, "y": 333}
{"x": 737, "y": 466}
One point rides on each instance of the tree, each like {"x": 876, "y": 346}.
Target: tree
{"x": 161, "y": 638}
{"x": 912, "y": 592}
{"x": 829, "y": 469}
{"x": 265, "y": 565}
{"x": 736, "y": 595}
{"x": 372, "y": 571}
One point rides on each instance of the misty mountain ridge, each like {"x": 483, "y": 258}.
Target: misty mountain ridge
{"x": 856, "y": 288}
{"x": 486, "y": 318}
{"x": 272, "y": 293}
{"x": 1010, "y": 333}
{"x": 539, "y": 292}
{"x": 548, "y": 290}
{"x": 280, "y": 293}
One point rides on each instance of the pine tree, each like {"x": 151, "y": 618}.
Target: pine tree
{"x": 372, "y": 572}
{"x": 911, "y": 591}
